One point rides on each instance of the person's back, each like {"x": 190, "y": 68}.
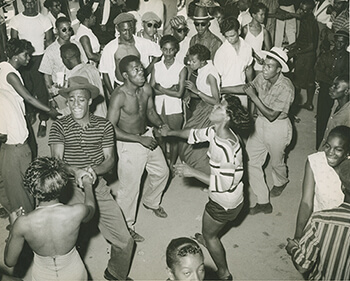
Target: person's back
{"x": 55, "y": 255}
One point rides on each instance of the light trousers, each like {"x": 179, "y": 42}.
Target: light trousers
{"x": 134, "y": 158}
{"x": 268, "y": 138}
{"x": 286, "y": 26}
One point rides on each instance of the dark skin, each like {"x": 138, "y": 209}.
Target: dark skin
{"x": 130, "y": 107}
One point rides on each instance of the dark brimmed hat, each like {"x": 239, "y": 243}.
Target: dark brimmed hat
{"x": 343, "y": 33}
{"x": 201, "y": 13}
{"x": 123, "y": 17}
{"x": 279, "y": 55}
{"x": 77, "y": 83}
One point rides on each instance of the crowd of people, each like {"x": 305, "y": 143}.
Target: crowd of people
{"x": 203, "y": 89}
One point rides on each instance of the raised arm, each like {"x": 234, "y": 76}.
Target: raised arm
{"x": 307, "y": 201}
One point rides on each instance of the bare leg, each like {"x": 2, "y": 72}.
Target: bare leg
{"x": 210, "y": 230}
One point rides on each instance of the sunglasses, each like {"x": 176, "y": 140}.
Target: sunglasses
{"x": 180, "y": 30}
{"x": 200, "y": 24}
{"x": 156, "y": 25}
{"x": 65, "y": 29}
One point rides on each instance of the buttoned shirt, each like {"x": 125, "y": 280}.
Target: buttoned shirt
{"x": 209, "y": 40}
{"x": 324, "y": 246}
{"x": 337, "y": 118}
{"x": 145, "y": 47}
{"x": 278, "y": 96}
{"x": 52, "y": 62}
{"x": 82, "y": 146}
{"x": 231, "y": 64}
{"x": 226, "y": 167}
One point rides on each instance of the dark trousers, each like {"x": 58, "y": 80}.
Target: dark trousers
{"x": 324, "y": 108}
{"x": 35, "y": 83}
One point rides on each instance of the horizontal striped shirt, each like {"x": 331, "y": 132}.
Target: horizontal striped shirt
{"x": 82, "y": 147}
{"x": 226, "y": 167}
{"x": 324, "y": 248}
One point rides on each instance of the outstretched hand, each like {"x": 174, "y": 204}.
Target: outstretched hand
{"x": 79, "y": 174}
{"x": 164, "y": 130}
{"x": 250, "y": 91}
{"x": 183, "y": 170}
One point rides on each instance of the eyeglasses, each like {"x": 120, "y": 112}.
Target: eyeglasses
{"x": 149, "y": 24}
{"x": 65, "y": 29}
{"x": 180, "y": 30}
{"x": 200, "y": 24}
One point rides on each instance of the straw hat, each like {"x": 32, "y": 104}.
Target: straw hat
{"x": 279, "y": 55}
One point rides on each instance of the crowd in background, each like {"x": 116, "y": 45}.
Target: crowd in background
{"x": 204, "y": 89}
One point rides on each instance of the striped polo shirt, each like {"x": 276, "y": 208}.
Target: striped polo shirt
{"x": 325, "y": 246}
{"x": 82, "y": 147}
{"x": 226, "y": 167}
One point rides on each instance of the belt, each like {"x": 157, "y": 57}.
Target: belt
{"x": 16, "y": 145}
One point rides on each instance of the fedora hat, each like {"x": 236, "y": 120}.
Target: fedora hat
{"x": 201, "y": 13}
{"x": 77, "y": 83}
{"x": 279, "y": 55}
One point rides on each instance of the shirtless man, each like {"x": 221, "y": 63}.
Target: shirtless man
{"x": 55, "y": 255}
{"x": 124, "y": 45}
{"x": 130, "y": 106}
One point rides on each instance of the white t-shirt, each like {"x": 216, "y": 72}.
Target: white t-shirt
{"x": 32, "y": 29}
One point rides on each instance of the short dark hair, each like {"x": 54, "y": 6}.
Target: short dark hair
{"x": 49, "y": 3}
{"x": 201, "y": 51}
{"x": 256, "y": 7}
{"x": 229, "y": 23}
{"x": 342, "y": 77}
{"x": 310, "y": 3}
{"x": 16, "y": 46}
{"x": 84, "y": 13}
{"x": 169, "y": 39}
{"x": 45, "y": 178}
{"x": 61, "y": 20}
{"x": 239, "y": 117}
{"x": 125, "y": 61}
{"x": 70, "y": 47}
{"x": 344, "y": 133}
{"x": 181, "y": 247}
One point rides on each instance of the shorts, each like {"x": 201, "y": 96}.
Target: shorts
{"x": 304, "y": 74}
{"x": 221, "y": 215}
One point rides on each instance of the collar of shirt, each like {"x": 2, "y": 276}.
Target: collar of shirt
{"x": 73, "y": 124}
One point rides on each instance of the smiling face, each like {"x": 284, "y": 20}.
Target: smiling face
{"x": 78, "y": 103}
{"x": 190, "y": 267}
{"x": 336, "y": 150}
{"x": 126, "y": 30}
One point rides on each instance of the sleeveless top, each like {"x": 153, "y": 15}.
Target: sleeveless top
{"x": 328, "y": 193}
{"x": 203, "y": 73}
{"x": 256, "y": 42}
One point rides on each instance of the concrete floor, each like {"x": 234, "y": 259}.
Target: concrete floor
{"x": 254, "y": 247}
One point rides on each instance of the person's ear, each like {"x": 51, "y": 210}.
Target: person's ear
{"x": 125, "y": 75}
{"x": 170, "y": 273}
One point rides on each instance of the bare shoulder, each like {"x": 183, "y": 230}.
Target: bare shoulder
{"x": 118, "y": 96}
{"x": 21, "y": 225}
{"x": 147, "y": 88}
